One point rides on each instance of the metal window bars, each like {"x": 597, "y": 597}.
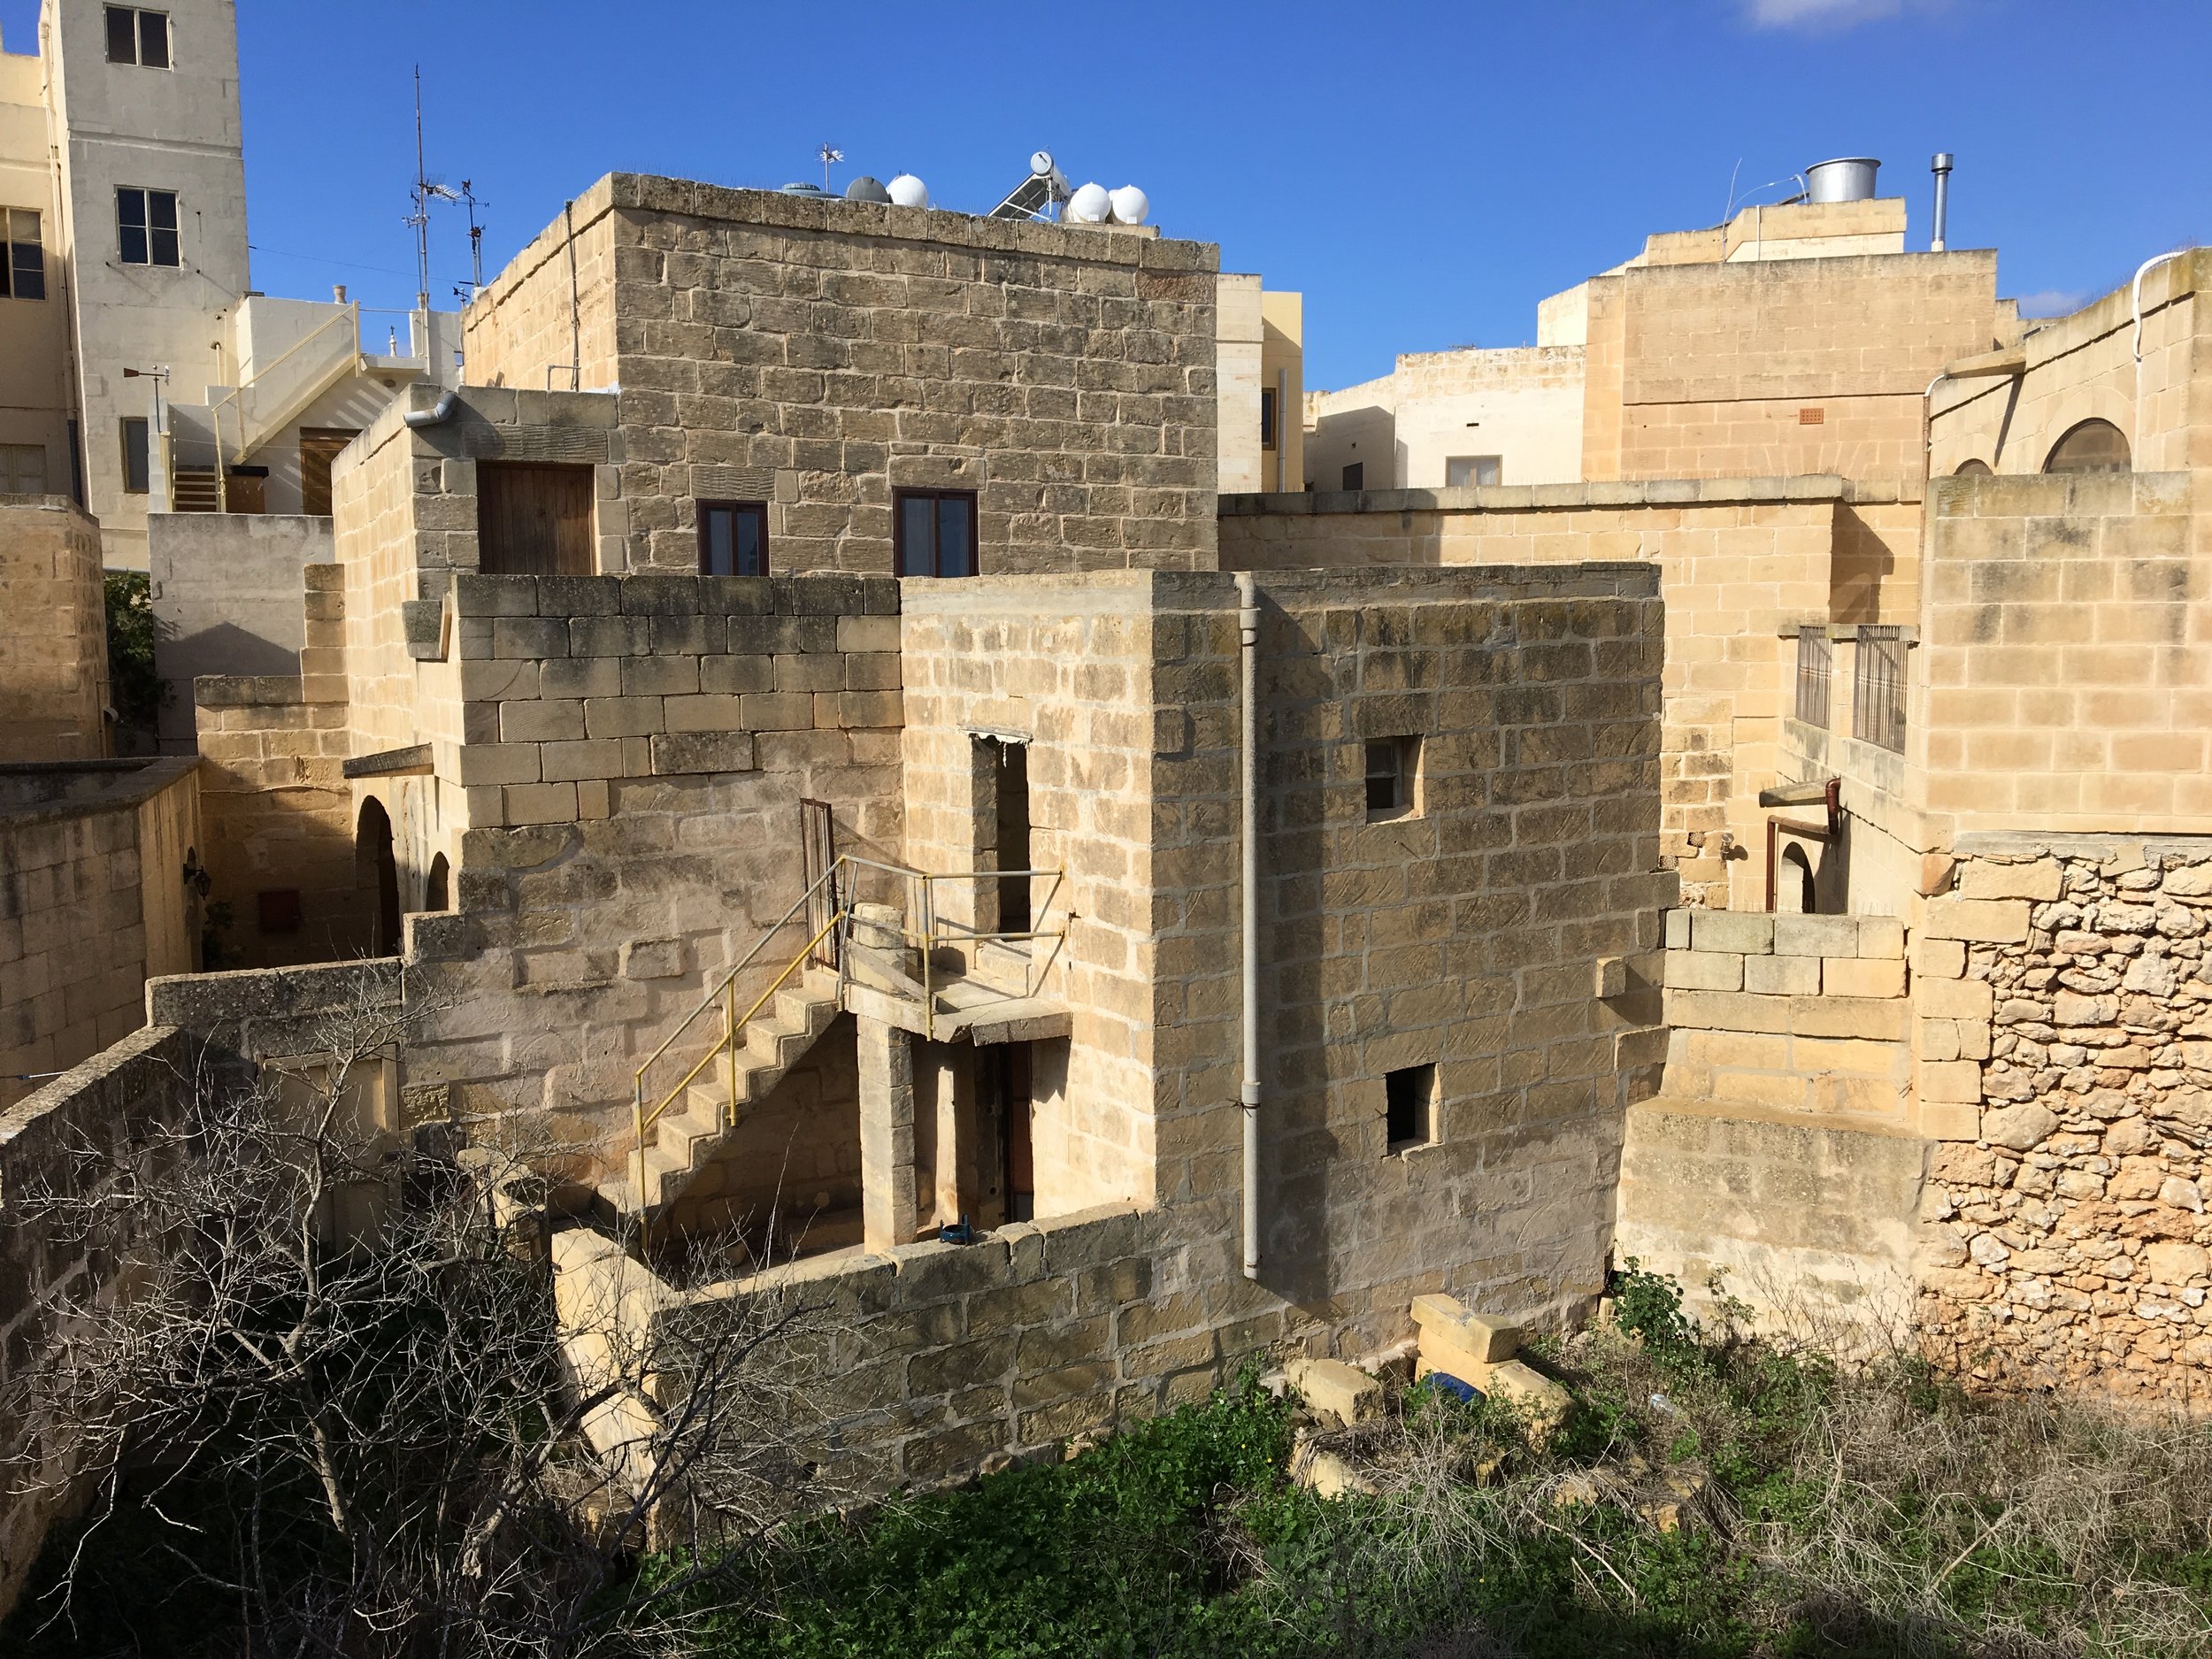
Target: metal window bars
{"x": 1815, "y": 667}
{"x": 1877, "y": 694}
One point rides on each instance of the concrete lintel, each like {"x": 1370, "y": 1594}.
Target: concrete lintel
{"x": 411, "y": 762}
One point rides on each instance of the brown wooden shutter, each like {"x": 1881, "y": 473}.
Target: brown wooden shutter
{"x": 534, "y": 520}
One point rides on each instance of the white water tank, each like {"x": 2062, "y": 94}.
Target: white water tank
{"x": 907, "y": 191}
{"x": 1090, "y": 204}
{"x": 1847, "y": 178}
{"x": 1130, "y": 206}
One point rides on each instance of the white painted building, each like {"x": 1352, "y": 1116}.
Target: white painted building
{"x": 150, "y": 376}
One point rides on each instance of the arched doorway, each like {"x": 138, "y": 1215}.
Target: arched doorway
{"x": 376, "y": 872}
{"x": 1794, "y": 890}
{"x": 2094, "y": 446}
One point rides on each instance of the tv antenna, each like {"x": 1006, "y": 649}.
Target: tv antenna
{"x": 424, "y": 192}
{"x": 829, "y": 155}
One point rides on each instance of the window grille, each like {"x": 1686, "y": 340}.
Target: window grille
{"x": 1877, "y": 698}
{"x": 1815, "y": 663}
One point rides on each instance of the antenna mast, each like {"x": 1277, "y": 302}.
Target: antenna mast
{"x": 420, "y": 218}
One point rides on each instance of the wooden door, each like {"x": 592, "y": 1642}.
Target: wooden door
{"x": 319, "y": 446}
{"x": 534, "y": 519}
{"x": 817, "y": 852}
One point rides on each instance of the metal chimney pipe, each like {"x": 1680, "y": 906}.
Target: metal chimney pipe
{"x": 1941, "y": 165}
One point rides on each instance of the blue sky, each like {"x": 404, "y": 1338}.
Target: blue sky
{"x": 1424, "y": 174}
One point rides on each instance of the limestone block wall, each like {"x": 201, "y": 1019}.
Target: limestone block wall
{"x": 227, "y": 599}
{"x": 2067, "y": 1242}
{"x": 93, "y": 901}
{"x": 1067, "y": 665}
{"x": 53, "y": 632}
{"x": 621, "y": 815}
{"x": 2084, "y": 367}
{"x": 1743, "y": 562}
{"x": 1776, "y": 368}
{"x": 819, "y": 355}
{"x": 2061, "y": 677}
{"x": 1804, "y": 1014}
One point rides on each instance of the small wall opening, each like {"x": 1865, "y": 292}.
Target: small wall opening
{"x": 1007, "y": 1106}
{"x": 1001, "y": 835}
{"x": 1795, "y": 893}
{"x": 1409, "y": 1108}
{"x": 437, "y": 889}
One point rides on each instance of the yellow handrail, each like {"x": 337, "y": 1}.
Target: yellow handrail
{"x": 928, "y": 937}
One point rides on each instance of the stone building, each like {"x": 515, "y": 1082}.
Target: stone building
{"x": 855, "y": 773}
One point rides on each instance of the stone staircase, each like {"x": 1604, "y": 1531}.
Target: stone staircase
{"x": 686, "y": 1137}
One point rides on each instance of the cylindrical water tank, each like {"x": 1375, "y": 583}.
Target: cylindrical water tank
{"x": 1130, "y": 206}
{"x": 907, "y": 191}
{"x": 1090, "y": 204}
{"x": 1847, "y": 178}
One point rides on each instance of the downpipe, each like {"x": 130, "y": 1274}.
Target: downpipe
{"x": 1248, "y": 661}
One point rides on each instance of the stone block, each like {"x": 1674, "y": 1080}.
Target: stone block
{"x": 1334, "y": 1389}
{"x": 1980, "y": 878}
{"x": 1704, "y": 971}
{"x": 1854, "y": 976}
{"x": 1678, "y": 930}
{"x": 1869, "y": 1019}
{"x": 1950, "y": 1120}
{"x": 1782, "y": 976}
{"x": 1938, "y": 958}
{"x": 1979, "y": 921}
{"x": 1740, "y": 933}
{"x": 1881, "y": 938}
{"x": 1490, "y": 1341}
{"x": 676, "y": 754}
{"x": 1956, "y": 1082}
{"x": 1816, "y": 935}
{"x": 2022, "y": 1128}
{"x": 1546, "y": 1401}
{"x": 1954, "y": 999}
{"x": 1610, "y": 979}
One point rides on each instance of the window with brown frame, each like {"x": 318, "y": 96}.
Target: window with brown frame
{"x": 534, "y": 519}
{"x": 733, "y": 538}
{"x": 933, "y": 531}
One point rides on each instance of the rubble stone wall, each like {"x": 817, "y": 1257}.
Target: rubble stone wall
{"x": 2068, "y": 1242}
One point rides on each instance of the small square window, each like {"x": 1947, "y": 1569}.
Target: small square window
{"x": 1355, "y": 475}
{"x": 733, "y": 538}
{"x": 22, "y": 469}
{"x": 1474, "y": 471}
{"x": 278, "y": 910}
{"x": 933, "y": 531}
{"x": 138, "y": 37}
{"x": 1409, "y": 1108}
{"x": 137, "y": 458}
{"x": 1393, "y": 776}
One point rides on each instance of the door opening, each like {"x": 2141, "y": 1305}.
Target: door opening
{"x": 1003, "y": 1079}
{"x": 1002, "y": 841}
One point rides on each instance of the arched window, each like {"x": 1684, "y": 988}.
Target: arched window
{"x": 1971, "y": 469}
{"x": 437, "y": 889}
{"x": 376, "y": 876}
{"x": 2094, "y": 446}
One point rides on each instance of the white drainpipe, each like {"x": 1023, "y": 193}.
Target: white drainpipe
{"x": 1247, "y": 653}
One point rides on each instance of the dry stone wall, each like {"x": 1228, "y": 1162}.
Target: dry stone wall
{"x": 2066, "y": 1240}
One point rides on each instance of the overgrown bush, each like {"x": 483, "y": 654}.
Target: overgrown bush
{"x": 136, "y": 691}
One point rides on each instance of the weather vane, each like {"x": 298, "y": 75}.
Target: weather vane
{"x": 830, "y": 155}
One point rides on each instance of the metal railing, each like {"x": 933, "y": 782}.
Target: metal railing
{"x": 1877, "y": 690}
{"x": 1816, "y": 668}
{"x": 260, "y": 380}
{"x": 839, "y": 886}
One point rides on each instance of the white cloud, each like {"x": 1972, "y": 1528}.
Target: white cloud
{"x": 1817, "y": 14}
{"x": 2052, "y": 302}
